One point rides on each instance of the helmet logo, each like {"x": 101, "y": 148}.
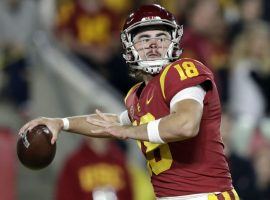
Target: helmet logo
{"x": 151, "y": 18}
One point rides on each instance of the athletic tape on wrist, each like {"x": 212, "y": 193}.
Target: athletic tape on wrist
{"x": 153, "y": 132}
{"x": 65, "y": 124}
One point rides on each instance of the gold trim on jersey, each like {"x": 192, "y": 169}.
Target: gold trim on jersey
{"x": 209, "y": 196}
{"x": 162, "y": 80}
{"x": 225, "y": 195}
{"x": 131, "y": 90}
{"x": 235, "y": 194}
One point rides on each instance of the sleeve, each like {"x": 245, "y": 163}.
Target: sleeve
{"x": 182, "y": 74}
{"x": 196, "y": 93}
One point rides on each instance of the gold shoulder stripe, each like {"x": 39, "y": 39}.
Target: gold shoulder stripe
{"x": 162, "y": 80}
{"x": 131, "y": 90}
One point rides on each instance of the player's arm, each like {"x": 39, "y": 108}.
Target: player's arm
{"x": 75, "y": 124}
{"x": 186, "y": 109}
{"x": 79, "y": 125}
{"x": 182, "y": 123}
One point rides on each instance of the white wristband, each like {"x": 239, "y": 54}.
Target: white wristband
{"x": 65, "y": 124}
{"x": 124, "y": 118}
{"x": 153, "y": 132}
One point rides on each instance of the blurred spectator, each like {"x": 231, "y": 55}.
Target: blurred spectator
{"x": 249, "y": 83}
{"x": 18, "y": 21}
{"x": 90, "y": 28}
{"x": 231, "y": 10}
{"x": 242, "y": 170}
{"x": 120, "y": 7}
{"x": 97, "y": 170}
{"x": 205, "y": 40}
{"x": 177, "y": 7}
{"x": 250, "y": 11}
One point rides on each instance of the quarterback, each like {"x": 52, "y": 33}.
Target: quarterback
{"x": 174, "y": 113}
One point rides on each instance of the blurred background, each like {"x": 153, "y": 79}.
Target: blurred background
{"x": 63, "y": 57}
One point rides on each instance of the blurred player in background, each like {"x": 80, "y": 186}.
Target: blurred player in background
{"x": 89, "y": 28}
{"x": 96, "y": 170}
{"x": 174, "y": 113}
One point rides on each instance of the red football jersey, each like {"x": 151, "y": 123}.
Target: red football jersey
{"x": 86, "y": 171}
{"x": 197, "y": 165}
{"x": 97, "y": 27}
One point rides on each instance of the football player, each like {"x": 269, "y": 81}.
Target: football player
{"x": 174, "y": 113}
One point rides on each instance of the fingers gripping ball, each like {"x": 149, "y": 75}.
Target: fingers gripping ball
{"x": 34, "y": 148}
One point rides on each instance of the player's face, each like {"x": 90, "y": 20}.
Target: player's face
{"x": 152, "y": 44}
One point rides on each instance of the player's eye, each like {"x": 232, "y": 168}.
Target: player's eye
{"x": 161, "y": 39}
{"x": 146, "y": 39}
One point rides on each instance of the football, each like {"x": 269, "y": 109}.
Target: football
{"x": 34, "y": 148}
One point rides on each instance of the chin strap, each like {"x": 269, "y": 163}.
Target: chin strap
{"x": 152, "y": 67}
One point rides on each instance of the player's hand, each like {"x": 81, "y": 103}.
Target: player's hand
{"x": 54, "y": 124}
{"x": 107, "y": 125}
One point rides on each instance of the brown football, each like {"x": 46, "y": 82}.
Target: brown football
{"x": 34, "y": 148}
